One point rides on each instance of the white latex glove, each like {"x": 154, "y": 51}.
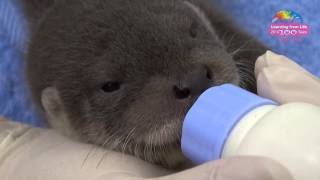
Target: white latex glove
{"x": 284, "y": 81}
{"x": 40, "y": 154}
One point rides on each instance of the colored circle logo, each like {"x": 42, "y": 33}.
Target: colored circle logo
{"x": 287, "y": 16}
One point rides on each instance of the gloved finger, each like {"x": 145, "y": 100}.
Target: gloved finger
{"x": 285, "y": 85}
{"x": 235, "y": 168}
{"x": 272, "y": 59}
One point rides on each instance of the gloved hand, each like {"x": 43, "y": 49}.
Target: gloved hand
{"x": 30, "y": 153}
{"x": 284, "y": 81}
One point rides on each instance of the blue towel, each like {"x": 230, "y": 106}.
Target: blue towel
{"x": 14, "y": 97}
{"x": 254, "y": 16}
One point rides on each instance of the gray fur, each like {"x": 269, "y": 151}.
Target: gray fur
{"x": 149, "y": 46}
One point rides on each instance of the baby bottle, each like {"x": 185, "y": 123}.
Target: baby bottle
{"x": 229, "y": 121}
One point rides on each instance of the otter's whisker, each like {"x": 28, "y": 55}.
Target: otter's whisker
{"x": 127, "y": 139}
{"x": 234, "y": 52}
{"x": 88, "y": 155}
{"x": 112, "y": 147}
{"x": 231, "y": 40}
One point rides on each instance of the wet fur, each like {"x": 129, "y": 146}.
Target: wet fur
{"x": 148, "y": 45}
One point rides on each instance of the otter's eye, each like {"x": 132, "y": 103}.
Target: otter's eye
{"x": 111, "y": 86}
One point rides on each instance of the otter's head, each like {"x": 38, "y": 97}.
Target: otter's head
{"x": 122, "y": 74}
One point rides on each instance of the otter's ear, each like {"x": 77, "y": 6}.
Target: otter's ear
{"x": 54, "y": 110}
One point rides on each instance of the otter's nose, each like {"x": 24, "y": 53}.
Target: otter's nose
{"x": 193, "y": 83}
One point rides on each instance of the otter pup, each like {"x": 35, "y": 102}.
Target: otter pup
{"x": 123, "y": 73}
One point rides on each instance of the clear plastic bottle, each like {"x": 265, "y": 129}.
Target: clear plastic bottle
{"x": 229, "y": 121}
